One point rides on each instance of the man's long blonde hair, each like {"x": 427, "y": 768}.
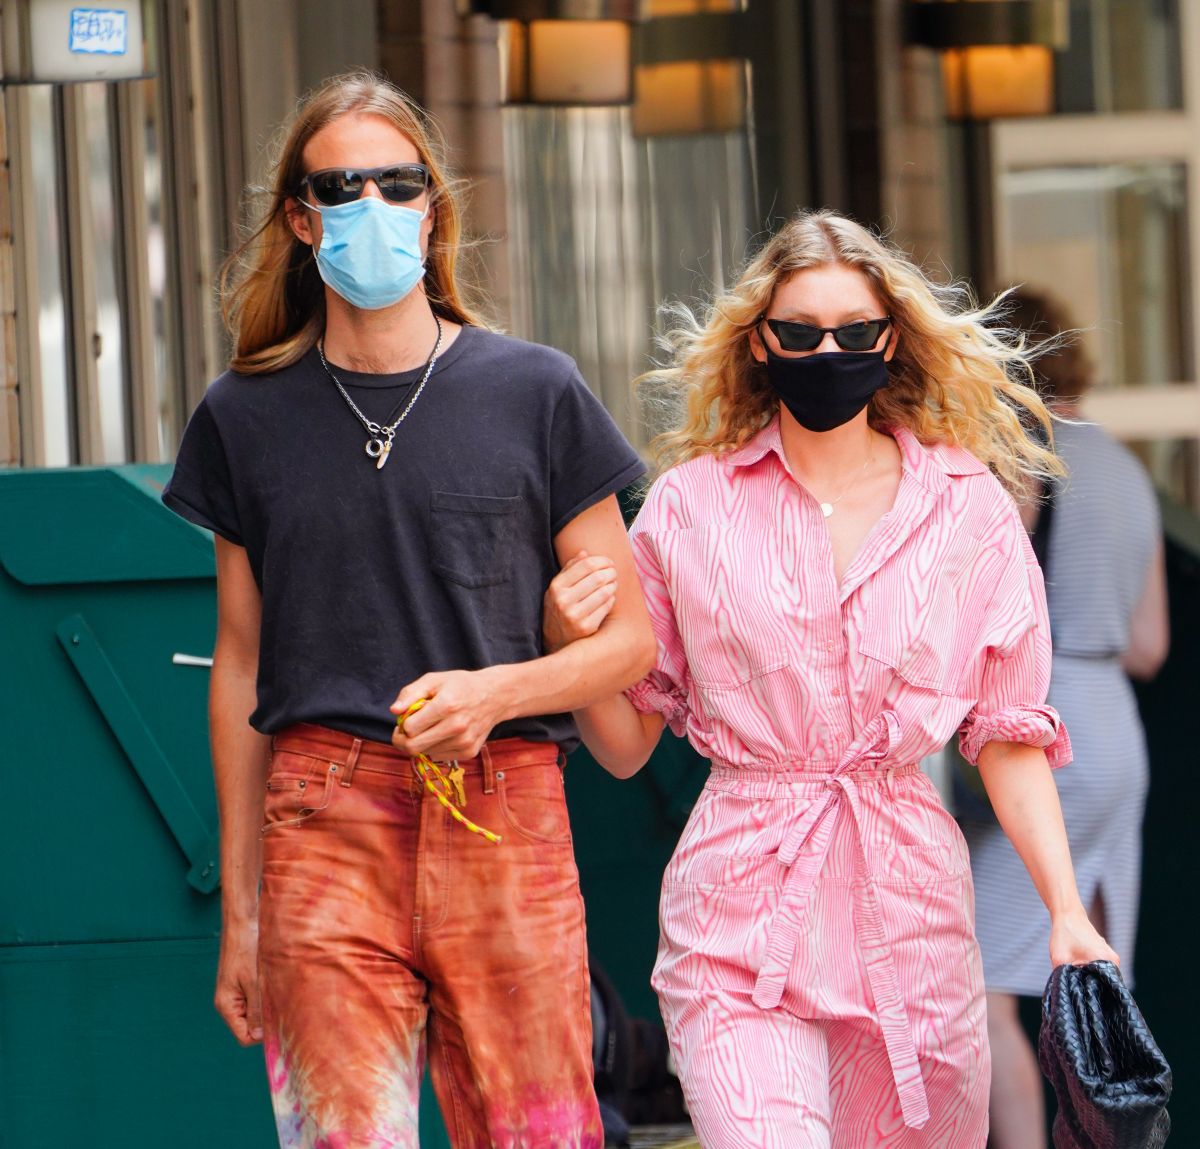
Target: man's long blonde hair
{"x": 272, "y": 295}
{"x": 957, "y": 375}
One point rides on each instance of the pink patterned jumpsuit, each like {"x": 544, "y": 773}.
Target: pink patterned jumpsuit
{"x": 818, "y": 970}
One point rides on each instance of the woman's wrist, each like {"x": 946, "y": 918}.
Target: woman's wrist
{"x": 1069, "y": 909}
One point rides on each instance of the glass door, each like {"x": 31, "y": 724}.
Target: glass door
{"x": 1101, "y": 210}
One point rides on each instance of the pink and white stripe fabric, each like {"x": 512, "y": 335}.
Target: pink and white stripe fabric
{"x": 818, "y": 969}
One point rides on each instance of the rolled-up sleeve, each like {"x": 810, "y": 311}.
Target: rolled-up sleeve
{"x": 1011, "y": 702}
{"x": 665, "y": 689}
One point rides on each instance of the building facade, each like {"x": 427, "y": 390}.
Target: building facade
{"x": 119, "y": 200}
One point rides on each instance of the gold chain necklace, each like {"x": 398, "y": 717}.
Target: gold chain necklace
{"x": 827, "y": 508}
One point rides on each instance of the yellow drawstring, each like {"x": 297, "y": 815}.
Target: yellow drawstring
{"x": 451, "y": 782}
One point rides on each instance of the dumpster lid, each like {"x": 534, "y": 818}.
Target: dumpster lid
{"x": 96, "y": 524}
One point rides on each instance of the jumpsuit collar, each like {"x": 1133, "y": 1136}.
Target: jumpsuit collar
{"x": 927, "y": 472}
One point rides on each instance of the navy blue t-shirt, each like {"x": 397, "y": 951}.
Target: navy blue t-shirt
{"x": 439, "y": 561}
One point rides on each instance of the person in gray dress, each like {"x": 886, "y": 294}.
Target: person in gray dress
{"x": 1106, "y": 591}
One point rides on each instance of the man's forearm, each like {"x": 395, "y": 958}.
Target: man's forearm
{"x": 619, "y": 654}
{"x": 239, "y": 755}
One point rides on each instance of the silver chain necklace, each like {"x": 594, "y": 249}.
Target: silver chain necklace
{"x": 379, "y": 445}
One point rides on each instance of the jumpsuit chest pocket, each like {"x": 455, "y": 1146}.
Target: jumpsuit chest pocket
{"x": 471, "y": 537}
{"x": 925, "y": 625}
{"x": 727, "y": 587}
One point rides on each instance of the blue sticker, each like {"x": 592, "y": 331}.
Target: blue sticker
{"x": 103, "y": 31}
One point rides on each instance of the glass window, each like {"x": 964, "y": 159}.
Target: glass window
{"x": 1174, "y": 465}
{"x": 109, "y": 240}
{"x": 1123, "y": 57}
{"x": 603, "y": 228}
{"x": 45, "y": 138}
{"x": 103, "y": 266}
{"x": 1108, "y": 241}
{"x": 169, "y": 394}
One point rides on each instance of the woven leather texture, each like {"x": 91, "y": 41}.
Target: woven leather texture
{"x": 1110, "y": 1077}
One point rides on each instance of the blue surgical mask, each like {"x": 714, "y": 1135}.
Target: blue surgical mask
{"x": 370, "y": 251}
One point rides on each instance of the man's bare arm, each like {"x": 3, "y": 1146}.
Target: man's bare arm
{"x": 240, "y": 756}
{"x": 462, "y": 707}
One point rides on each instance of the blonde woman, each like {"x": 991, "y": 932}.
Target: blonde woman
{"x": 392, "y": 487}
{"x": 839, "y": 581}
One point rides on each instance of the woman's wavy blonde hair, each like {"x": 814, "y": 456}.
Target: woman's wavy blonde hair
{"x": 958, "y": 375}
{"x": 272, "y": 295}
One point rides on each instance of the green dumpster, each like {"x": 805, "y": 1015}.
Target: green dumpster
{"x": 109, "y": 914}
{"x": 625, "y": 833}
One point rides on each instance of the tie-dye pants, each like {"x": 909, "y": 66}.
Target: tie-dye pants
{"x": 387, "y": 927}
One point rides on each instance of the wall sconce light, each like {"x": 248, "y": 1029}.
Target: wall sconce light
{"x": 997, "y": 55}
{"x": 66, "y": 41}
{"x": 564, "y": 52}
{"x": 585, "y": 63}
{"x": 691, "y": 73}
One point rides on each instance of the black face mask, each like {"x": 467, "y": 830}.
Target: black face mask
{"x": 826, "y": 390}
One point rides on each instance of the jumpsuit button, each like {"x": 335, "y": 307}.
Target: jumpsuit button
{"x": 837, "y": 692}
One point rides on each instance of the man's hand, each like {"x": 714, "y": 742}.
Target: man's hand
{"x": 237, "y": 998}
{"x": 460, "y": 709}
{"x": 578, "y": 600}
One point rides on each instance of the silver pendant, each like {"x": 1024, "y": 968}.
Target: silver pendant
{"x": 379, "y": 450}
{"x": 827, "y": 509}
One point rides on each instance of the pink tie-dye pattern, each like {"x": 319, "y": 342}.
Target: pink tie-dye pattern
{"x": 844, "y": 899}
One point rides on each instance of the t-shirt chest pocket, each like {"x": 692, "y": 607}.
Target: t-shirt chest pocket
{"x": 471, "y": 537}
{"x": 725, "y": 589}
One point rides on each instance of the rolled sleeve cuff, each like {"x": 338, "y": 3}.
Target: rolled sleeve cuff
{"x": 650, "y": 697}
{"x": 1032, "y": 725}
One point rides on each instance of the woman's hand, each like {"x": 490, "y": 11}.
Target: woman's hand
{"x": 578, "y": 600}
{"x": 1075, "y": 941}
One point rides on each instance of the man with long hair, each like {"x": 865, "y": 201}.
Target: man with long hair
{"x": 392, "y": 487}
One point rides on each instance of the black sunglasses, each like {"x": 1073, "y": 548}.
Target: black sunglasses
{"x": 861, "y": 335}
{"x": 397, "y": 183}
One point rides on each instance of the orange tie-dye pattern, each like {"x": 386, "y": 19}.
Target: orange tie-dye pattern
{"x": 386, "y": 927}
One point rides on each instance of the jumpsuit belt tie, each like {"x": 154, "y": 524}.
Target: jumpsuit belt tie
{"x": 803, "y": 851}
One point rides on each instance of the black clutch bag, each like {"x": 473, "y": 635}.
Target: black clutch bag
{"x": 1110, "y": 1077}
